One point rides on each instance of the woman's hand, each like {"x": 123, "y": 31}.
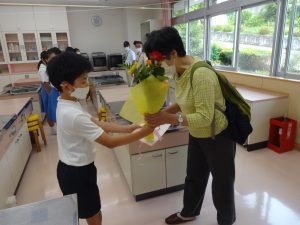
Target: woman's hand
{"x": 155, "y": 120}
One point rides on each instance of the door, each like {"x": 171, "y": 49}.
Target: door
{"x": 14, "y": 47}
{"x": 148, "y": 172}
{"x": 30, "y": 46}
{"x": 176, "y": 159}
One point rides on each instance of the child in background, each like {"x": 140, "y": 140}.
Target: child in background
{"x": 53, "y": 95}
{"x": 77, "y": 132}
{"x": 45, "y": 86}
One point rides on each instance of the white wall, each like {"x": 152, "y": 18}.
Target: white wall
{"x": 118, "y": 25}
{"x": 134, "y": 18}
{"x": 88, "y": 38}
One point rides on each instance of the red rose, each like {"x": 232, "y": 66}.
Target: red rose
{"x": 156, "y": 56}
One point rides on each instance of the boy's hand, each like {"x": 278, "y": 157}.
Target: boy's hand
{"x": 146, "y": 130}
{"x": 131, "y": 128}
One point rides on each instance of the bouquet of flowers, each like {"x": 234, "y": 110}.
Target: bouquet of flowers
{"x": 150, "y": 88}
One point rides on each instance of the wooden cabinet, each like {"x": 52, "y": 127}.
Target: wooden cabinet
{"x": 176, "y": 159}
{"x": 148, "y": 172}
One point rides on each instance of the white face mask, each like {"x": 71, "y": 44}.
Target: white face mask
{"x": 126, "y": 48}
{"x": 169, "y": 70}
{"x": 139, "y": 50}
{"x": 80, "y": 93}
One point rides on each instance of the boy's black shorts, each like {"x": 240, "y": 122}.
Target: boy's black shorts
{"x": 81, "y": 180}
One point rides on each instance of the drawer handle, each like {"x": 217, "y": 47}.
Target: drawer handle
{"x": 157, "y": 156}
{"x": 173, "y": 153}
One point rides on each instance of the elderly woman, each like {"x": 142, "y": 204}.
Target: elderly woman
{"x": 209, "y": 150}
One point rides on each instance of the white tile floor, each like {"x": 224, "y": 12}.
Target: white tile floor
{"x": 267, "y": 189}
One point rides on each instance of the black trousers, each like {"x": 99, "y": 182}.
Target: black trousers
{"x": 215, "y": 156}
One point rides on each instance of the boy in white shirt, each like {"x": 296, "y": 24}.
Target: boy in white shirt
{"x": 76, "y": 132}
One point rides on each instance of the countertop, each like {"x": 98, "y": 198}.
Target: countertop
{"x": 257, "y": 95}
{"x": 13, "y": 106}
{"x": 115, "y": 93}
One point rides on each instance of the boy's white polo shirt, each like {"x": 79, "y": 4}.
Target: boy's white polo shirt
{"x": 76, "y": 134}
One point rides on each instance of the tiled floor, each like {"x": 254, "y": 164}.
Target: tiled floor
{"x": 267, "y": 189}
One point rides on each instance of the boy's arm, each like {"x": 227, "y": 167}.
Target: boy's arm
{"x": 118, "y": 140}
{"x": 115, "y": 128}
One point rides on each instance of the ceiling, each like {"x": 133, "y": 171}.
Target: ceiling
{"x": 87, "y": 2}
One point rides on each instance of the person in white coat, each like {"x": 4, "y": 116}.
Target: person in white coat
{"x": 141, "y": 56}
{"x": 129, "y": 54}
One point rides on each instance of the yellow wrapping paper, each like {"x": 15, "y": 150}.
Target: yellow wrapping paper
{"x": 148, "y": 97}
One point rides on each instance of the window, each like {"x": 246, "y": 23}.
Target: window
{"x": 222, "y": 39}
{"x": 256, "y": 38}
{"x": 182, "y": 32}
{"x": 294, "y": 64}
{"x": 292, "y": 21}
{"x": 213, "y": 2}
{"x": 178, "y": 9}
{"x": 196, "y": 38}
{"x": 195, "y": 5}
{"x": 286, "y": 35}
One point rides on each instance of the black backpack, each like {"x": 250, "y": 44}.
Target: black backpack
{"x": 237, "y": 109}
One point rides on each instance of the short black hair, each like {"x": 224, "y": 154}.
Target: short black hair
{"x": 44, "y": 56}
{"x": 69, "y": 49}
{"x": 54, "y": 50}
{"x": 137, "y": 42}
{"x": 165, "y": 41}
{"x": 126, "y": 44}
{"x": 67, "y": 66}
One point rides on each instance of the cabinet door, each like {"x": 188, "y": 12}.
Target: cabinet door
{"x": 24, "y": 144}
{"x": 51, "y": 18}
{"x": 30, "y": 46}
{"x": 15, "y": 161}
{"x": 4, "y": 80}
{"x": 176, "y": 159}
{"x": 6, "y": 182}
{"x": 62, "y": 40}
{"x": 148, "y": 172}
{"x": 2, "y": 56}
{"x": 15, "y": 18}
{"x": 14, "y": 47}
{"x": 45, "y": 40}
